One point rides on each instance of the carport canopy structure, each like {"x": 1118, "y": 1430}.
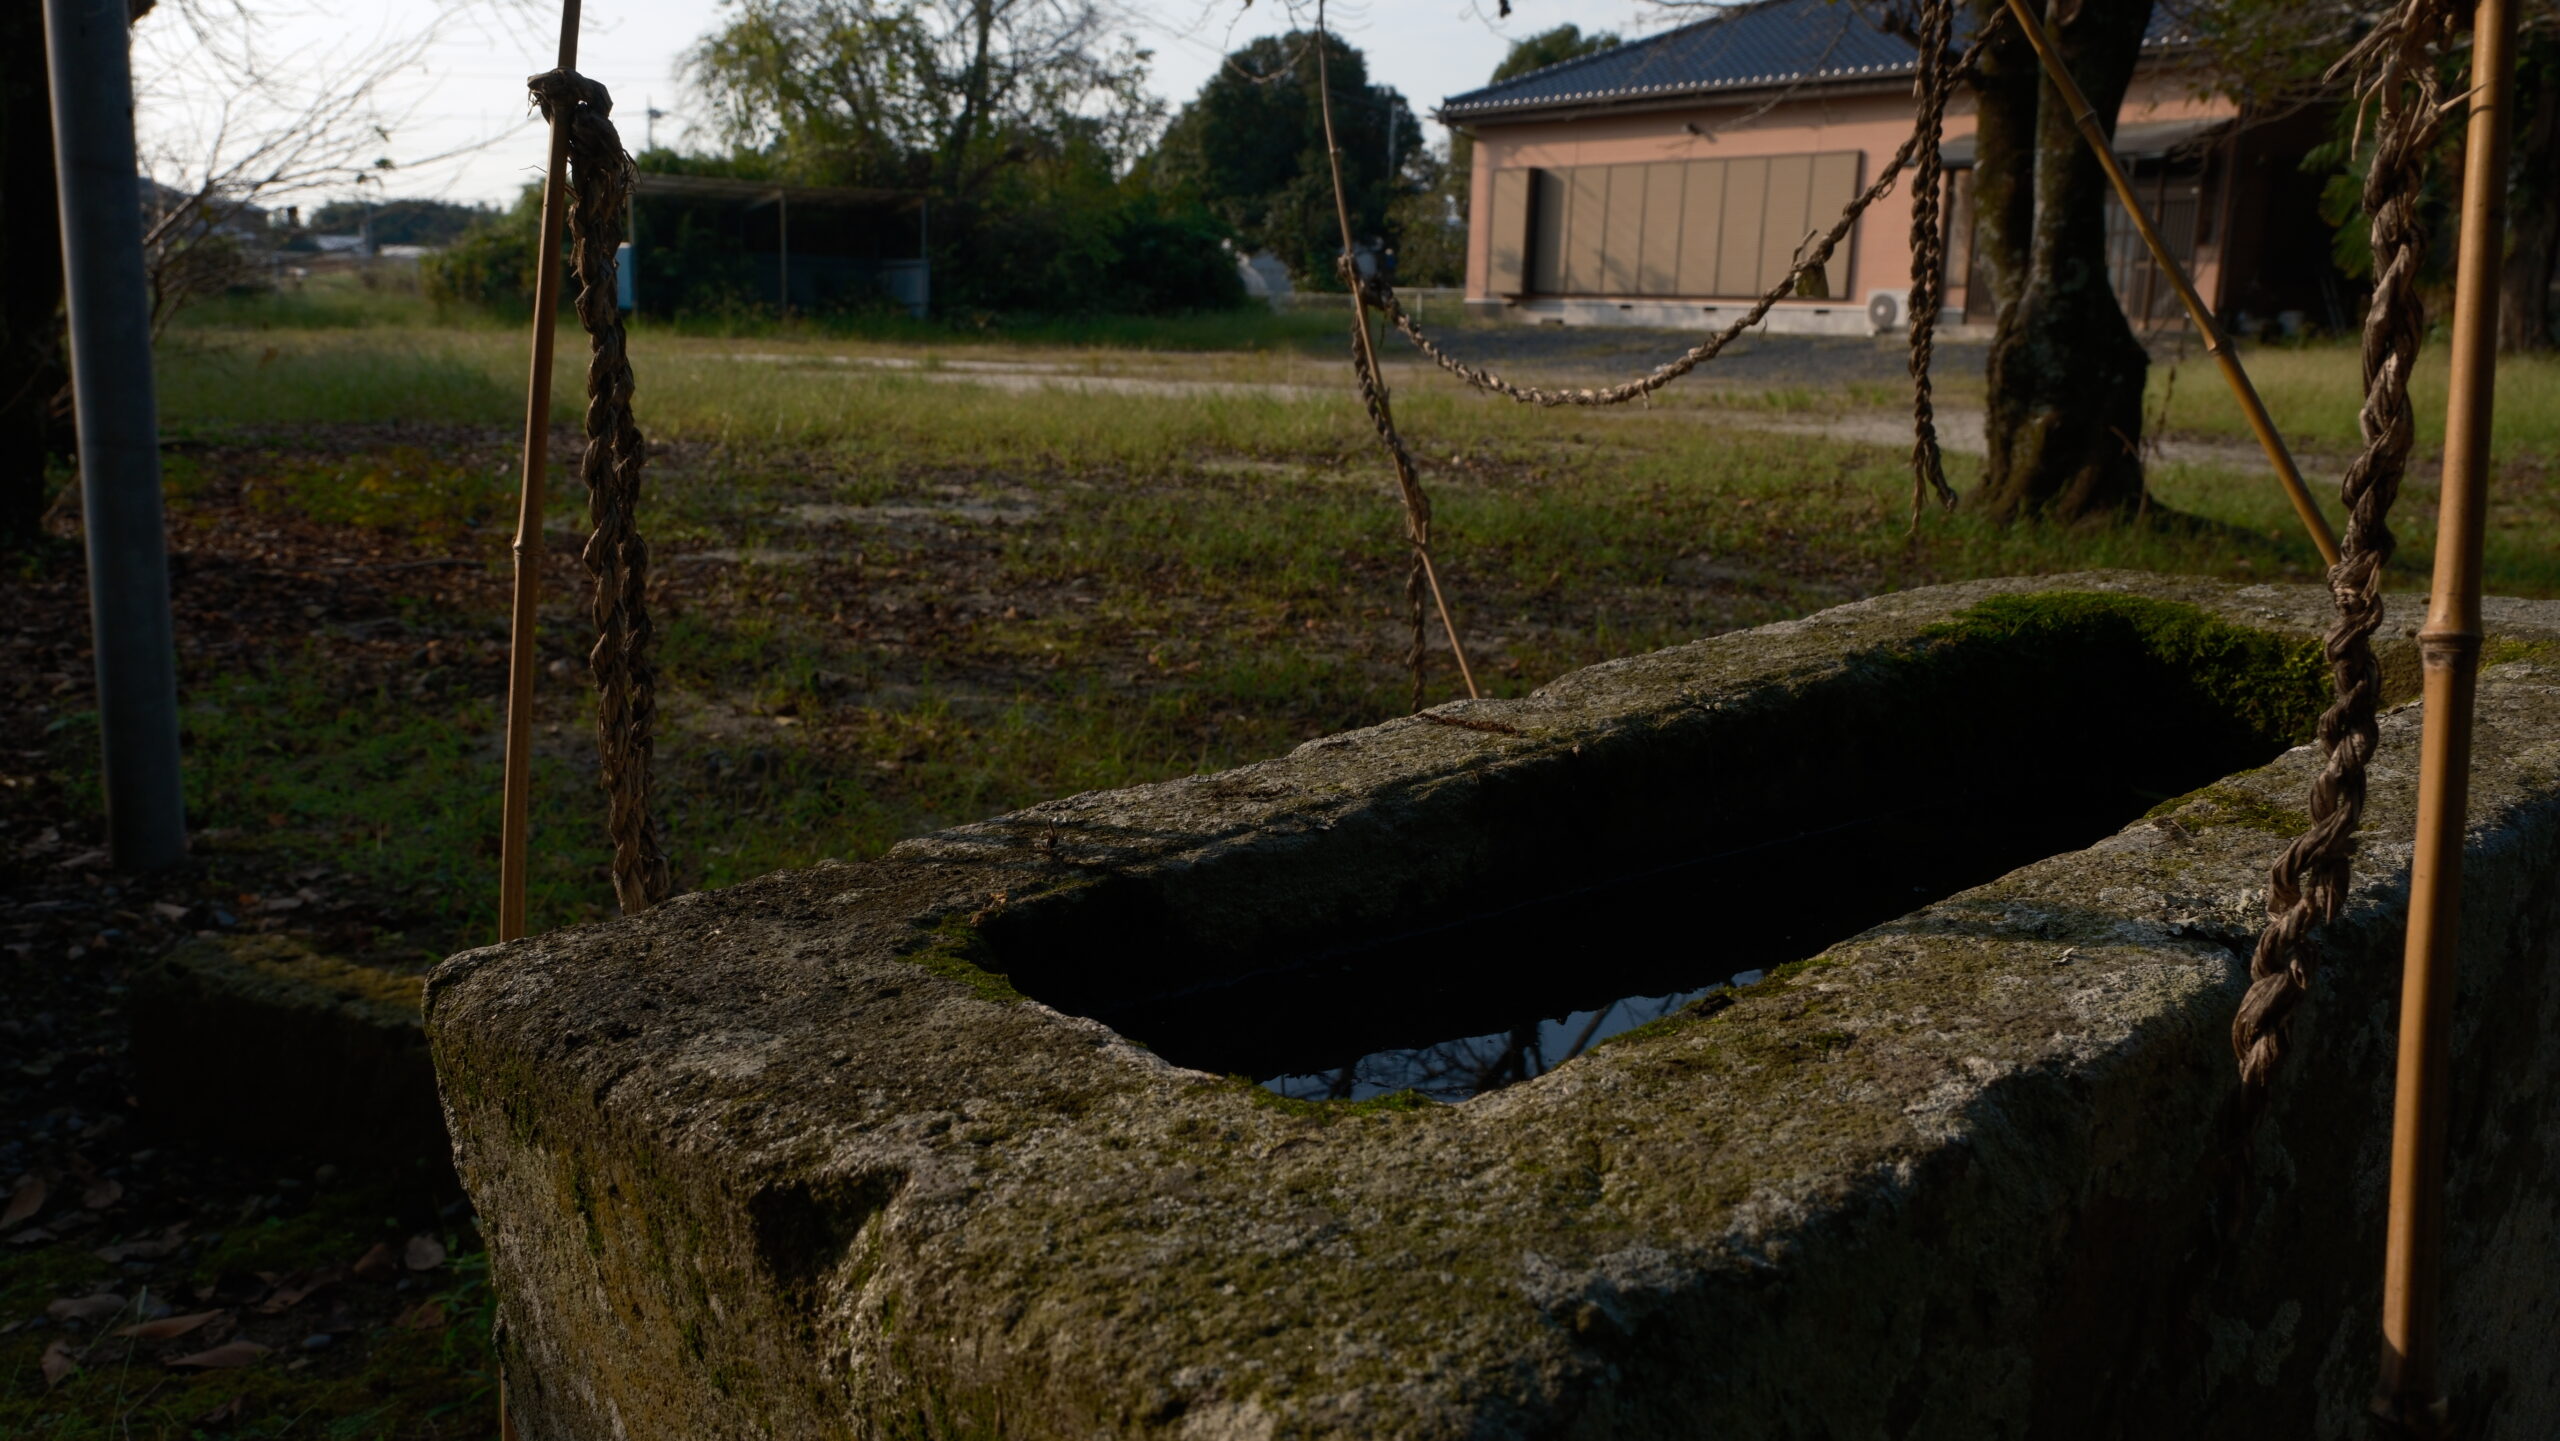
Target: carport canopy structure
{"x": 852, "y": 238}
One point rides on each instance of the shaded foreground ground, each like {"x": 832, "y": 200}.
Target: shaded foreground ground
{"x": 886, "y": 603}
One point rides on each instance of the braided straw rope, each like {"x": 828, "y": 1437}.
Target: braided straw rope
{"x": 1928, "y": 253}
{"x": 1420, "y": 578}
{"x": 2308, "y": 882}
{"x": 600, "y": 181}
{"x": 1417, "y": 501}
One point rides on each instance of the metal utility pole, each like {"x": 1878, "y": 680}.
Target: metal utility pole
{"x": 2449, "y": 650}
{"x": 109, "y": 300}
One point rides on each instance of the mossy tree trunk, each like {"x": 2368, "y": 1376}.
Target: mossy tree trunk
{"x": 31, "y": 373}
{"x": 2064, "y": 417}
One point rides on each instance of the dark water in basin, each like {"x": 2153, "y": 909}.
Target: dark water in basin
{"x": 1502, "y": 995}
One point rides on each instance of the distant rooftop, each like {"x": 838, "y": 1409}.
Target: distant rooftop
{"x": 1746, "y": 47}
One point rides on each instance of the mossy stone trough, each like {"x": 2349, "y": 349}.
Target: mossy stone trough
{"x": 1024, "y": 1130}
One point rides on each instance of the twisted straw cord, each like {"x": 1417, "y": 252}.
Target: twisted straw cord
{"x": 600, "y": 181}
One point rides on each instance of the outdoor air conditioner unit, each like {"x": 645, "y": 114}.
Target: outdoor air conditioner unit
{"x": 1884, "y": 310}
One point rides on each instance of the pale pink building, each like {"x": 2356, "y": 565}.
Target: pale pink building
{"x": 1672, "y": 180}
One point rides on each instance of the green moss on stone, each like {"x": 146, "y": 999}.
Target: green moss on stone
{"x": 953, "y": 950}
{"x": 2274, "y": 685}
{"x": 2505, "y": 650}
{"x": 2234, "y": 806}
{"x": 1394, "y": 1103}
{"x": 289, "y": 974}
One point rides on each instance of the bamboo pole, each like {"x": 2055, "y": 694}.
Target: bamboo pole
{"x": 2216, "y": 343}
{"x": 2449, "y": 648}
{"x": 516, "y": 816}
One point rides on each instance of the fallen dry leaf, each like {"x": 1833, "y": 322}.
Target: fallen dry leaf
{"x": 229, "y": 1353}
{"x": 228, "y": 1411}
{"x": 24, "y": 1201}
{"x": 57, "y": 1363}
{"x": 167, "y": 1328}
{"x": 291, "y": 1291}
{"x": 425, "y": 1316}
{"x": 102, "y": 1193}
{"x": 86, "y": 1309}
{"x": 152, "y": 1250}
{"x": 378, "y": 1262}
{"x": 425, "y": 1253}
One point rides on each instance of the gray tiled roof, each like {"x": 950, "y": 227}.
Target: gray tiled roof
{"x": 1746, "y": 47}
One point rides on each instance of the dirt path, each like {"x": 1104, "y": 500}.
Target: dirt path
{"x": 1959, "y": 431}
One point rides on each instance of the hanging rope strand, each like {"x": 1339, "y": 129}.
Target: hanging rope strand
{"x": 1420, "y": 576}
{"x": 600, "y": 181}
{"x": 1928, "y": 253}
{"x": 2308, "y": 882}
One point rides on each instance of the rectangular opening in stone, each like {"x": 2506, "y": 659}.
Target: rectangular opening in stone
{"x": 1602, "y": 890}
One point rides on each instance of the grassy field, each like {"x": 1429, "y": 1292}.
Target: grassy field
{"x": 907, "y": 583}
{"x": 904, "y": 576}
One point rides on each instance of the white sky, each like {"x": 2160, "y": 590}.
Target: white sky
{"x": 470, "y": 87}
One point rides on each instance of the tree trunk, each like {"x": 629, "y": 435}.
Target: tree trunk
{"x": 2533, "y": 207}
{"x": 2063, "y": 423}
{"x": 973, "y": 95}
{"x": 31, "y": 373}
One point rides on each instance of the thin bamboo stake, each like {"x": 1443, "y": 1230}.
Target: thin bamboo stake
{"x": 515, "y": 819}
{"x": 516, "y": 816}
{"x": 2216, "y": 343}
{"x": 2449, "y": 648}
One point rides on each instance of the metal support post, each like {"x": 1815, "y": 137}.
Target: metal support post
{"x": 109, "y": 302}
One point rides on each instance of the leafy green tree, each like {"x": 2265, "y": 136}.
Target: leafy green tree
{"x": 920, "y": 93}
{"x": 400, "y": 222}
{"x": 492, "y": 264}
{"x": 1020, "y": 117}
{"x": 1251, "y": 148}
{"x": 1552, "y": 47}
{"x": 2270, "y": 54}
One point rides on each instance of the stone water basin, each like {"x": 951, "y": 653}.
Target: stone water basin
{"x": 1019, "y": 1131}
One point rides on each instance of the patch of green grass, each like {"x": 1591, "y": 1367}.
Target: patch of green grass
{"x": 328, "y": 303}
{"x": 2314, "y": 390}
{"x": 287, "y": 768}
{"x": 235, "y": 380}
{"x": 401, "y": 488}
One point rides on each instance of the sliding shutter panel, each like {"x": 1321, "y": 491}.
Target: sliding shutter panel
{"x": 1782, "y": 223}
{"x": 1746, "y": 194}
{"x": 1622, "y": 247}
{"x": 1701, "y": 216}
{"x": 1586, "y": 229}
{"x": 1658, "y": 264}
{"x": 1835, "y": 184}
{"x": 1507, "y": 220}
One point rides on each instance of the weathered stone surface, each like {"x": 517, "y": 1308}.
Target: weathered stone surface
{"x": 794, "y": 1160}
{"x": 263, "y": 1041}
